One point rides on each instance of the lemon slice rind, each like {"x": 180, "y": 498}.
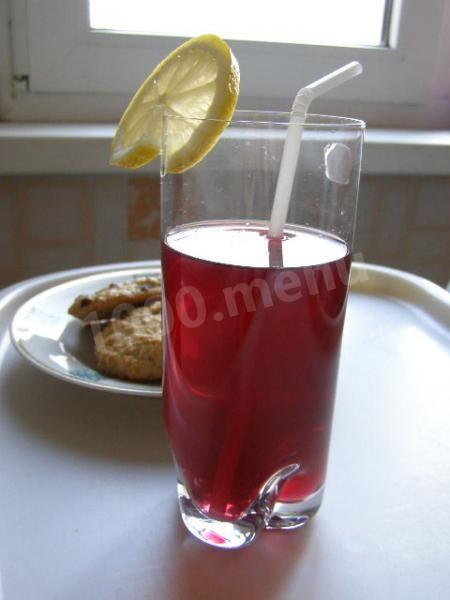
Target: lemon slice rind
{"x": 198, "y": 85}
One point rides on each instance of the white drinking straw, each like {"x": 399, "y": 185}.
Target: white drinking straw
{"x": 291, "y": 148}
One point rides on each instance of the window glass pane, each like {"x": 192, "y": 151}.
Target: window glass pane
{"x": 328, "y": 22}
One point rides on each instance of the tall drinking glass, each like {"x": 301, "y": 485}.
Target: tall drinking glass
{"x": 253, "y": 325}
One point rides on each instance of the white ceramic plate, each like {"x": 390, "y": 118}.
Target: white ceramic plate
{"x": 46, "y": 335}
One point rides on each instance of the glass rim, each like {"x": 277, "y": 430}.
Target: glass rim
{"x": 280, "y": 118}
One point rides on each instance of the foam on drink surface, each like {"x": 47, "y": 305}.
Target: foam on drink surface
{"x": 244, "y": 244}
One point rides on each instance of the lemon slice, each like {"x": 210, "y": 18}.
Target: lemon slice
{"x": 199, "y": 80}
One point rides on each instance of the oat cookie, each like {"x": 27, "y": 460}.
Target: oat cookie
{"x": 131, "y": 348}
{"x": 102, "y": 304}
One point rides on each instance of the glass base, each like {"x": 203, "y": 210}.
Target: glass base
{"x": 223, "y": 534}
{"x": 264, "y": 513}
{"x": 292, "y": 515}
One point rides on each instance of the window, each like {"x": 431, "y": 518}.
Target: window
{"x": 324, "y": 22}
{"x": 73, "y": 61}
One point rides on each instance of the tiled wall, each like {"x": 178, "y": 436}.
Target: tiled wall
{"x": 49, "y": 223}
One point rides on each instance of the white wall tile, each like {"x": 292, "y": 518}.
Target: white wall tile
{"x": 392, "y": 215}
{"x": 426, "y": 245}
{"x": 368, "y": 192}
{"x": 53, "y": 208}
{"x": 147, "y": 250}
{"x": 143, "y": 208}
{"x": 433, "y": 205}
{"x": 47, "y": 260}
{"x": 64, "y": 222}
{"x": 8, "y": 225}
{"x": 110, "y": 218}
{"x": 434, "y": 272}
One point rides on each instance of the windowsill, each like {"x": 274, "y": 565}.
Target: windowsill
{"x": 30, "y": 148}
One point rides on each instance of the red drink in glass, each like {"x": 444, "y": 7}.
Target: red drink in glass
{"x": 251, "y": 358}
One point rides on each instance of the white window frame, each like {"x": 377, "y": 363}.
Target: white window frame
{"x": 62, "y": 70}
